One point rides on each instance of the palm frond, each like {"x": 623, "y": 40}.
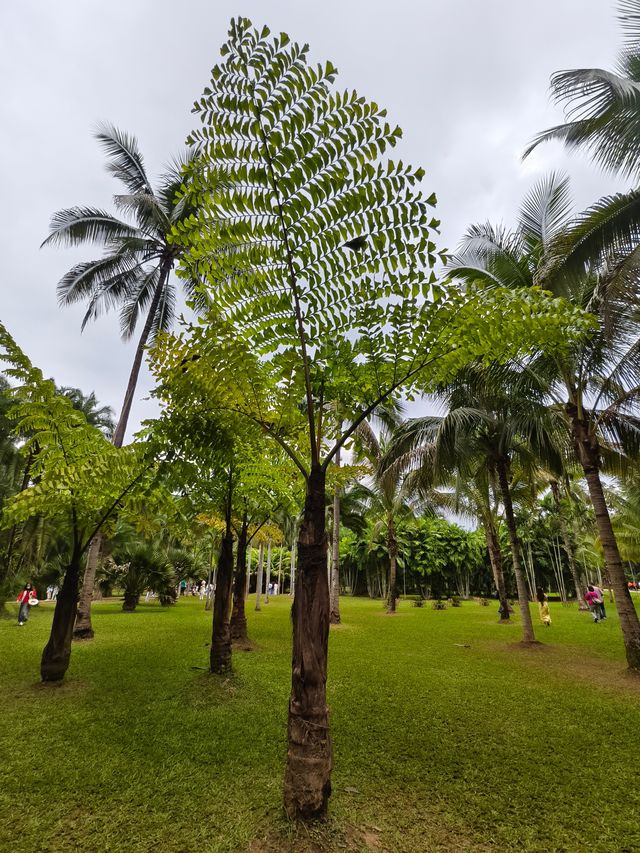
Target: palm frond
{"x": 76, "y": 225}
{"x": 125, "y": 159}
{"x": 545, "y": 211}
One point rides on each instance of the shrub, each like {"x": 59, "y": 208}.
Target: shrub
{"x": 455, "y": 601}
{"x": 439, "y": 604}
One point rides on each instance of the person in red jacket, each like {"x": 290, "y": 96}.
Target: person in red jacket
{"x": 23, "y": 600}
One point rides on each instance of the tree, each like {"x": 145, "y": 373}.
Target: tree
{"x": 603, "y": 107}
{"x": 387, "y": 497}
{"x": 316, "y": 252}
{"x": 99, "y": 416}
{"x": 78, "y": 478}
{"x": 594, "y": 381}
{"x": 134, "y": 274}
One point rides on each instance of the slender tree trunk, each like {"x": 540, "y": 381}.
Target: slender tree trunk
{"x": 307, "y": 782}
{"x": 83, "y": 629}
{"x": 588, "y": 453}
{"x": 259, "y": 575}
{"x": 246, "y": 591}
{"x": 238, "y": 625}
{"x": 495, "y": 558}
{"x": 292, "y": 569}
{"x": 392, "y": 547}
{"x": 220, "y": 658}
{"x": 523, "y": 599}
{"x": 121, "y": 428}
{"x": 566, "y": 541}
{"x": 57, "y": 653}
{"x": 334, "y": 585}
{"x": 280, "y": 570}
{"x": 268, "y": 578}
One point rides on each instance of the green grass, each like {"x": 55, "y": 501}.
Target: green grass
{"x": 437, "y": 747}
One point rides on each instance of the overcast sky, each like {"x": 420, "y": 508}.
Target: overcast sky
{"x": 467, "y": 80}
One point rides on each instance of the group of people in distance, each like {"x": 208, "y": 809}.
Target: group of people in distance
{"x": 594, "y": 597}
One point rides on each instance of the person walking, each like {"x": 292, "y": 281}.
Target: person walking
{"x": 600, "y": 601}
{"x": 543, "y": 608}
{"x": 591, "y": 597}
{"x": 25, "y": 598}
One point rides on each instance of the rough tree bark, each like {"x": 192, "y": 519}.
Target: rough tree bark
{"x": 307, "y": 783}
{"x": 502, "y": 466}
{"x": 392, "y": 547}
{"x": 131, "y": 600}
{"x": 588, "y": 452}
{"x": 220, "y": 657}
{"x": 566, "y": 541}
{"x": 238, "y": 624}
{"x": 57, "y": 653}
{"x": 495, "y": 558}
{"x": 334, "y": 586}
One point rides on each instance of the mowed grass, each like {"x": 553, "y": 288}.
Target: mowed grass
{"x": 447, "y": 735}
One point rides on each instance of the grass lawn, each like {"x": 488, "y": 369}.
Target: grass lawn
{"x": 447, "y": 735}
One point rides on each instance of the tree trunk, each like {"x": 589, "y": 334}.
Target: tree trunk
{"x": 246, "y": 589}
{"x": 307, "y": 782}
{"x": 238, "y": 624}
{"x": 292, "y": 569}
{"x": 588, "y": 453}
{"x": 566, "y": 541}
{"x": 121, "y": 428}
{"x": 392, "y": 547}
{"x": 83, "y": 629}
{"x": 268, "y": 578}
{"x": 57, "y": 653}
{"x": 523, "y": 599}
{"x": 495, "y": 558}
{"x": 131, "y": 600}
{"x": 334, "y": 585}
{"x": 220, "y": 658}
{"x": 259, "y": 575}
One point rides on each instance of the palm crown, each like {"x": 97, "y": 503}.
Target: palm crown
{"x": 133, "y": 273}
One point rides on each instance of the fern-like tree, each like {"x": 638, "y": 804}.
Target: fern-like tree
{"x": 78, "y": 478}
{"x": 316, "y": 252}
{"x": 594, "y": 382}
{"x": 134, "y": 274}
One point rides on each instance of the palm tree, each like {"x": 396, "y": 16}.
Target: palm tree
{"x": 98, "y": 416}
{"x": 386, "y": 497}
{"x": 594, "y": 381}
{"x": 490, "y": 426}
{"x": 134, "y": 273}
{"x": 603, "y": 107}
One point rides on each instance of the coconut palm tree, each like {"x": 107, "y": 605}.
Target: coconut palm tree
{"x": 595, "y": 381}
{"x": 98, "y": 416}
{"x": 603, "y": 107}
{"x": 134, "y": 272}
{"x": 133, "y": 275}
{"x": 491, "y": 427}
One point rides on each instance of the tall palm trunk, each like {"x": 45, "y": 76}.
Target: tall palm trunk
{"x": 495, "y": 558}
{"x": 334, "y": 586}
{"x": 83, "y": 628}
{"x": 502, "y": 466}
{"x": 268, "y": 578}
{"x": 57, "y": 653}
{"x": 307, "y": 783}
{"x": 238, "y": 624}
{"x": 566, "y": 541}
{"x": 588, "y": 452}
{"x": 392, "y": 547}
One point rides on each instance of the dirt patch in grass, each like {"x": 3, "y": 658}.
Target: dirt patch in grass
{"x": 244, "y": 646}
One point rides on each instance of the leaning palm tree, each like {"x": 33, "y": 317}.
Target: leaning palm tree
{"x": 133, "y": 275}
{"x": 595, "y": 381}
{"x": 134, "y": 272}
